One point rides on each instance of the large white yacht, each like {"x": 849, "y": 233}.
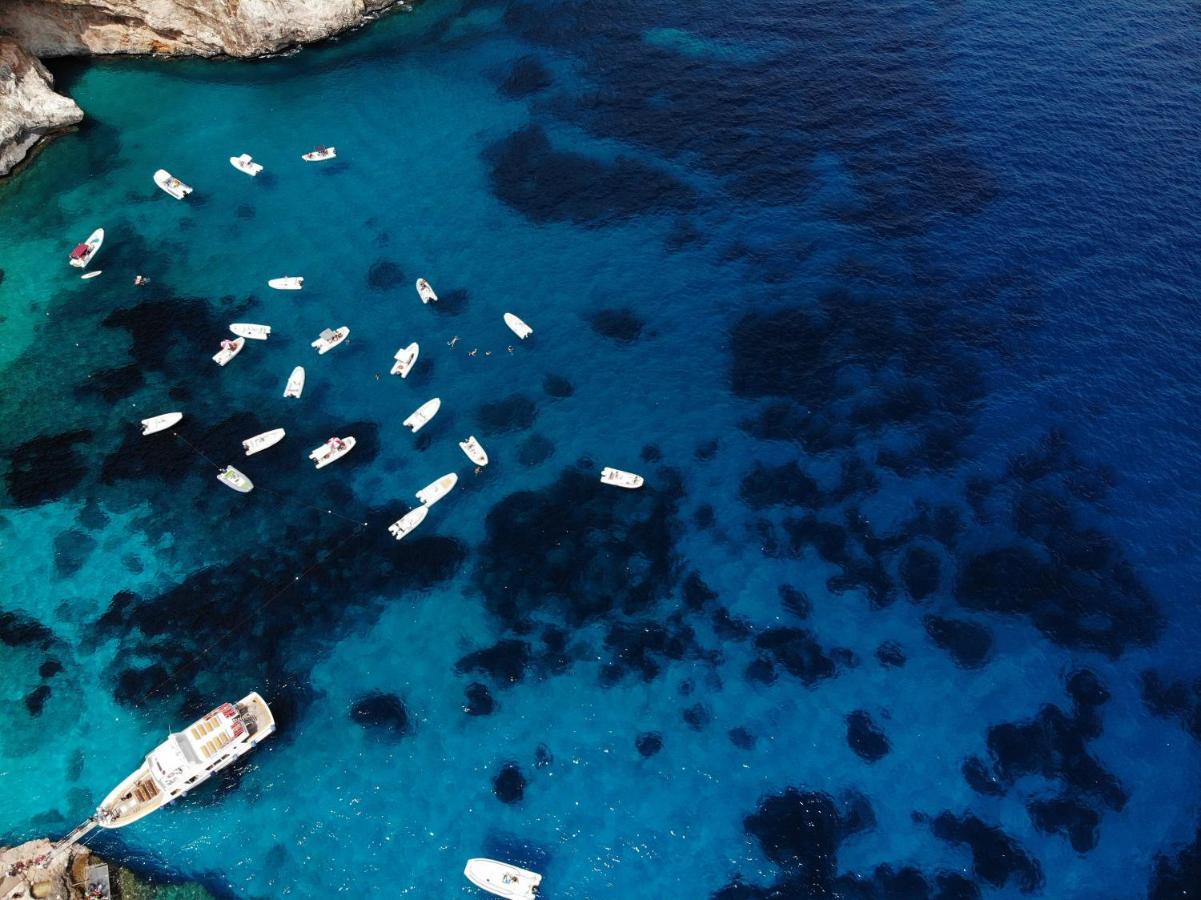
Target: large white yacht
{"x": 188, "y": 758}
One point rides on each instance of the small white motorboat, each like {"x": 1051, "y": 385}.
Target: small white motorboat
{"x": 231, "y": 477}
{"x": 408, "y": 521}
{"x": 436, "y": 490}
{"x": 160, "y": 423}
{"x": 319, "y": 153}
{"x": 329, "y": 339}
{"x": 171, "y": 184}
{"x": 295, "y": 382}
{"x": 331, "y": 451}
{"x": 424, "y": 291}
{"x": 244, "y": 163}
{"x": 229, "y": 349}
{"x": 517, "y": 326}
{"x": 88, "y": 275}
{"x": 83, "y": 253}
{"x": 250, "y": 330}
{"x": 287, "y": 283}
{"x": 405, "y": 359}
{"x": 618, "y": 478}
{"x": 261, "y": 442}
{"x": 474, "y": 451}
{"x": 502, "y": 879}
{"x": 424, "y": 413}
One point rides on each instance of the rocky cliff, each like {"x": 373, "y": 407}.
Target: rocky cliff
{"x": 29, "y": 108}
{"x": 196, "y": 27}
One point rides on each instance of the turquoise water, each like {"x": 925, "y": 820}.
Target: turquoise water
{"x": 892, "y": 306}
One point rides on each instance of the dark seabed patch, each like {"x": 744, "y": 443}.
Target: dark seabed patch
{"x": 382, "y": 713}
{"x": 385, "y": 275}
{"x": 535, "y": 450}
{"x": 479, "y": 700}
{"x": 46, "y": 468}
{"x": 557, "y": 386}
{"x": 648, "y": 743}
{"x": 968, "y": 643}
{"x": 515, "y": 413}
{"x": 526, "y": 76}
{"x": 996, "y": 857}
{"x": 549, "y": 185}
{"x": 71, "y": 550}
{"x": 865, "y": 738}
{"x": 621, "y": 325}
{"x": 509, "y": 784}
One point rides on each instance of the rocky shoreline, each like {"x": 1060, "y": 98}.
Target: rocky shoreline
{"x": 22, "y": 877}
{"x": 31, "y": 111}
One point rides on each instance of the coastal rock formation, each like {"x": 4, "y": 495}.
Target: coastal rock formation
{"x": 29, "y": 108}
{"x": 177, "y": 27}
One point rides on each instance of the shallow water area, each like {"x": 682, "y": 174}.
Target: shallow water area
{"x": 891, "y": 306}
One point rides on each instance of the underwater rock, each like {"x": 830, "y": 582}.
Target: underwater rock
{"x": 505, "y": 661}
{"x": 621, "y": 325}
{"x": 968, "y": 643}
{"x": 479, "y": 700}
{"x": 526, "y": 76}
{"x": 649, "y": 743}
{"x": 996, "y": 857}
{"x": 741, "y": 738}
{"x": 890, "y": 655}
{"x": 46, "y": 468}
{"x": 867, "y": 740}
{"x": 36, "y": 699}
{"x": 697, "y": 716}
{"x": 920, "y": 573}
{"x": 797, "y": 650}
{"x": 509, "y": 784}
{"x": 380, "y": 711}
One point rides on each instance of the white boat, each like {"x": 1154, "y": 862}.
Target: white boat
{"x": 171, "y": 184}
{"x": 160, "y": 423}
{"x": 424, "y": 291}
{"x": 436, "y": 490}
{"x": 83, "y": 253}
{"x": 517, "y": 326}
{"x": 231, "y": 477}
{"x": 618, "y": 478}
{"x": 331, "y": 451}
{"x": 405, "y": 358}
{"x": 88, "y": 275}
{"x": 250, "y": 330}
{"x": 319, "y": 153}
{"x": 244, "y": 163}
{"x": 262, "y": 441}
{"x": 329, "y": 339}
{"x": 474, "y": 451}
{"x": 295, "y": 382}
{"x": 229, "y": 349}
{"x": 502, "y": 879}
{"x": 188, "y": 758}
{"x": 424, "y": 413}
{"x": 287, "y": 283}
{"x": 408, "y": 521}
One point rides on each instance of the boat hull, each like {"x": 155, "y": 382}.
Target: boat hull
{"x": 503, "y": 880}
{"x": 295, "y": 383}
{"x": 517, "y": 326}
{"x": 421, "y": 417}
{"x": 94, "y": 242}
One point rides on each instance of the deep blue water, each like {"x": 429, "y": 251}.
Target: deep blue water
{"x": 892, "y": 304}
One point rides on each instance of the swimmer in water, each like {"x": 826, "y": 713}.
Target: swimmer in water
{"x": 454, "y": 340}
{"x": 474, "y": 352}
